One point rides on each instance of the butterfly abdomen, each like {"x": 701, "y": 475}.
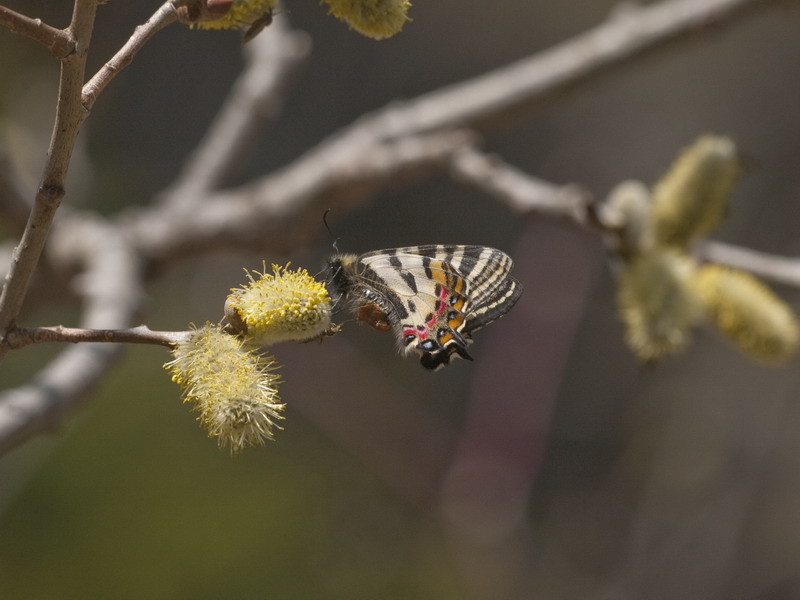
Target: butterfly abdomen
{"x": 360, "y": 288}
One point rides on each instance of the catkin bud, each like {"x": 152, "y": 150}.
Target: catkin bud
{"x": 240, "y": 14}
{"x": 377, "y": 19}
{"x": 691, "y": 198}
{"x": 627, "y": 210}
{"x": 280, "y": 306}
{"x": 759, "y": 323}
{"x": 193, "y": 12}
{"x": 232, "y": 386}
{"x": 656, "y": 303}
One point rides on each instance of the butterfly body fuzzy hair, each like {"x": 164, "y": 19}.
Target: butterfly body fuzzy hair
{"x": 432, "y": 297}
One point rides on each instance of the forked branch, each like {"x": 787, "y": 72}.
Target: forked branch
{"x": 57, "y": 41}
{"x": 166, "y": 14}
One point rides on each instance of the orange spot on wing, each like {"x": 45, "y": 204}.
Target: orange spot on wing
{"x": 445, "y": 338}
{"x": 438, "y": 272}
{"x": 458, "y": 284}
{"x": 456, "y": 322}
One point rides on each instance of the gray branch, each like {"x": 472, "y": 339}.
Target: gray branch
{"x": 111, "y": 286}
{"x": 281, "y": 209}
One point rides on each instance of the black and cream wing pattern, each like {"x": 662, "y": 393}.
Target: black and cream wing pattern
{"x": 432, "y": 297}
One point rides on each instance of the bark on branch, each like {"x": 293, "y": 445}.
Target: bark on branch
{"x": 57, "y": 41}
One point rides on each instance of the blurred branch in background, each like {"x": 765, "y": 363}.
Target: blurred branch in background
{"x": 277, "y": 212}
{"x": 13, "y": 204}
{"x": 779, "y": 269}
{"x": 482, "y": 477}
{"x": 256, "y": 98}
{"x": 111, "y": 290}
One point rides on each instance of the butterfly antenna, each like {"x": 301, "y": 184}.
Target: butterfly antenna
{"x": 335, "y": 239}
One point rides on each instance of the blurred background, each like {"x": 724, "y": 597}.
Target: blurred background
{"x": 554, "y": 466}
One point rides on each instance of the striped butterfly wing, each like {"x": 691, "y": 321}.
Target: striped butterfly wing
{"x": 434, "y": 297}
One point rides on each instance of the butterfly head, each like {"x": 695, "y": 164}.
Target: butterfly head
{"x": 340, "y": 269}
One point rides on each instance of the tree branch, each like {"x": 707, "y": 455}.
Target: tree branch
{"x": 284, "y": 214}
{"x": 166, "y": 14}
{"x": 624, "y": 35}
{"x": 57, "y": 41}
{"x": 69, "y": 118}
{"x": 526, "y": 194}
{"x": 779, "y": 269}
{"x": 270, "y": 211}
{"x": 276, "y": 211}
{"x": 19, "y": 337}
{"x": 111, "y": 285}
{"x": 521, "y": 192}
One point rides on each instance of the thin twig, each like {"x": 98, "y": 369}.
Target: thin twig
{"x": 521, "y": 192}
{"x": 19, "y": 337}
{"x": 526, "y": 194}
{"x": 57, "y": 41}
{"x": 166, "y": 14}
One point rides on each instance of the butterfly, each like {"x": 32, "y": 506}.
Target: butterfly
{"x": 432, "y": 297}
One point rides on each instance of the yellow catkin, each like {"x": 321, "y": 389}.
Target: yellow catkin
{"x": 242, "y": 14}
{"x": 758, "y": 322}
{"x": 691, "y": 198}
{"x": 377, "y": 19}
{"x": 233, "y": 387}
{"x": 656, "y": 303}
{"x": 285, "y": 305}
{"x": 626, "y": 211}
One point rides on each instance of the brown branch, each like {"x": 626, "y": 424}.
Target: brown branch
{"x": 166, "y": 14}
{"x": 69, "y": 118}
{"x": 74, "y": 102}
{"x": 57, "y": 41}
{"x": 19, "y": 337}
